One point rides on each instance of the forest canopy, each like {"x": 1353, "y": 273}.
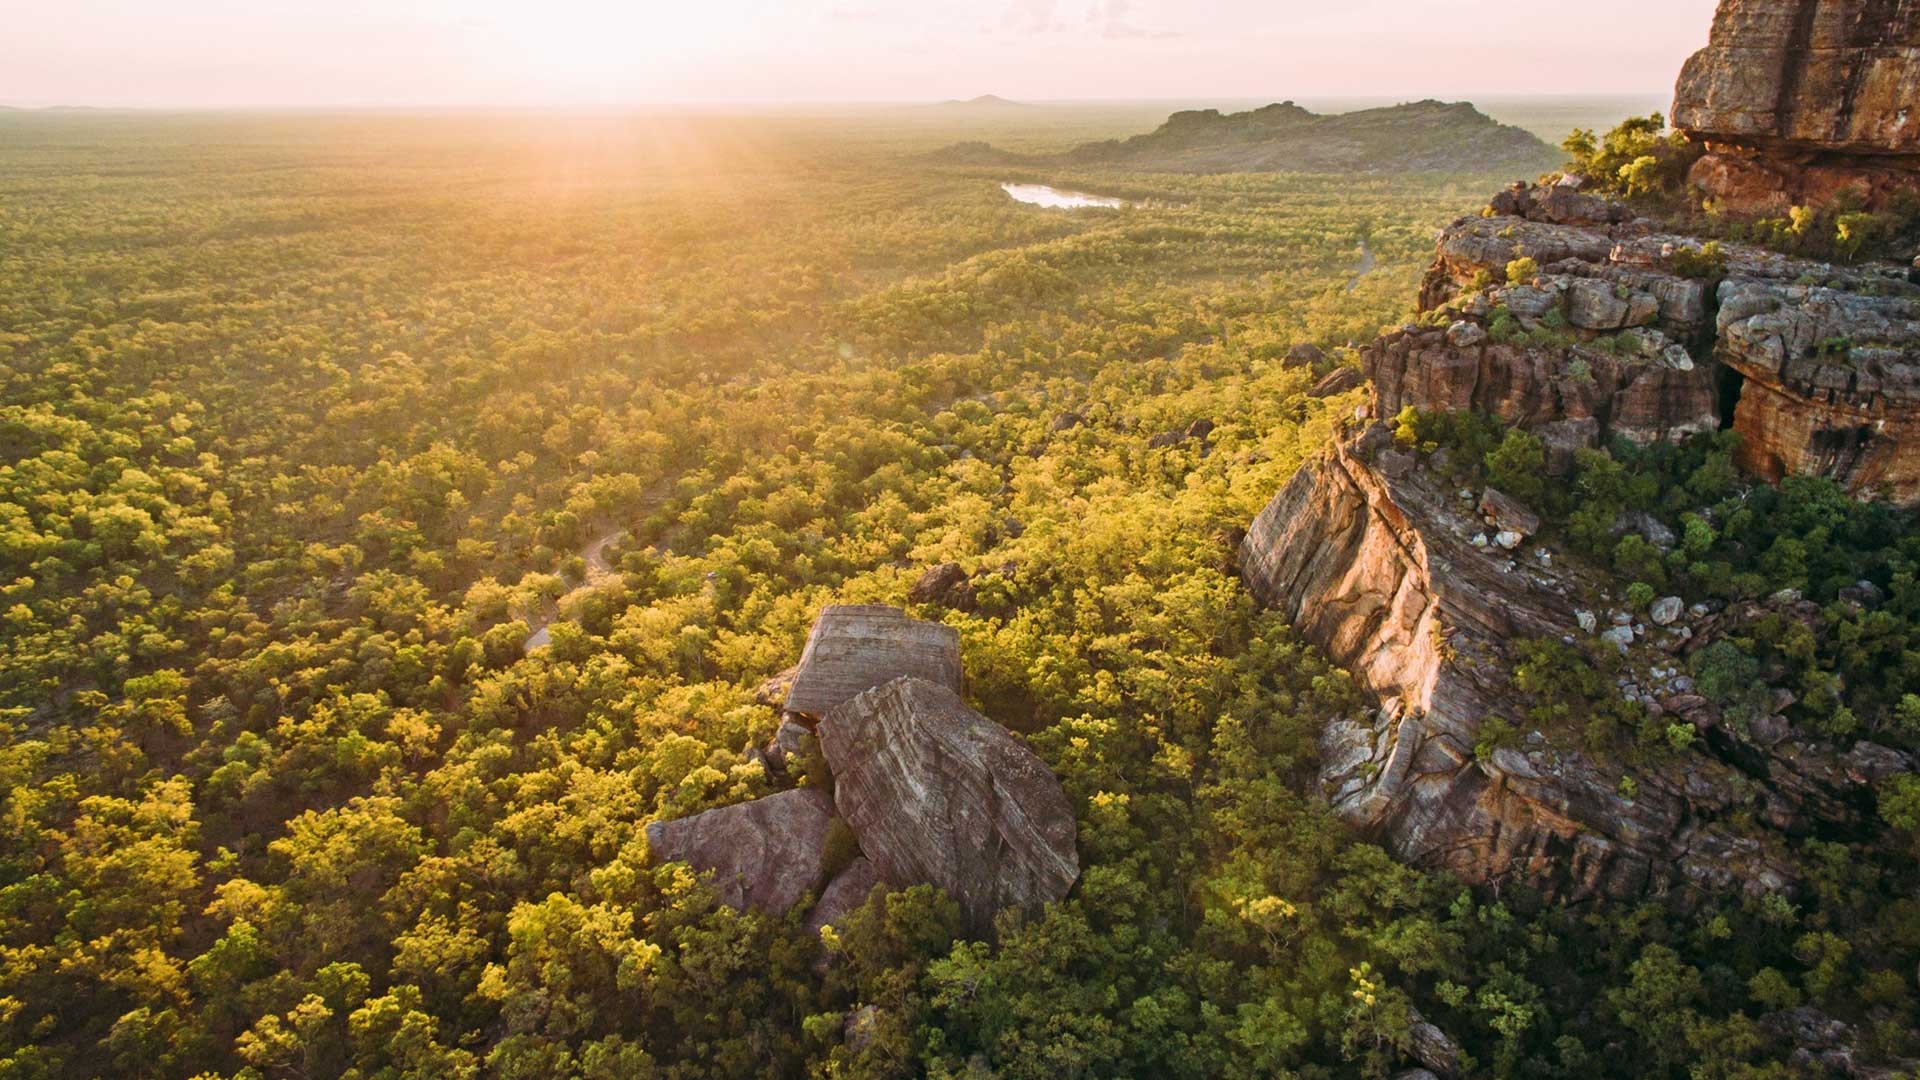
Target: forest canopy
{"x": 310, "y": 423}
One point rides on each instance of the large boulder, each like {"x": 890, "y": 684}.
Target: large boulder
{"x": 939, "y": 794}
{"x": 856, "y": 647}
{"x": 765, "y": 854}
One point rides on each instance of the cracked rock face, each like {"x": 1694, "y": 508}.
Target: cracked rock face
{"x": 764, "y": 854}
{"x": 1800, "y": 101}
{"x": 856, "y": 647}
{"x": 1832, "y": 384}
{"x": 1378, "y": 570}
{"x": 940, "y": 794}
{"x": 1817, "y": 366}
{"x": 1839, "y": 76}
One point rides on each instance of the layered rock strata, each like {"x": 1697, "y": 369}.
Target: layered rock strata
{"x": 1624, "y": 331}
{"x": 1800, "y": 102}
{"x": 765, "y": 854}
{"x": 856, "y": 647}
{"x": 940, "y": 794}
{"x": 1370, "y": 557}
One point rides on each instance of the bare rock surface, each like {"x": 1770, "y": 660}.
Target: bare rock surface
{"x": 1802, "y": 102}
{"x": 1618, "y": 336}
{"x": 856, "y": 647}
{"x": 939, "y": 794}
{"x": 1380, "y": 571}
{"x": 845, "y": 893}
{"x": 764, "y": 854}
{"x": 946, "y": 585}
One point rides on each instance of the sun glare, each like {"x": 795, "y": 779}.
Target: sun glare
{"x": 602, "y": 45}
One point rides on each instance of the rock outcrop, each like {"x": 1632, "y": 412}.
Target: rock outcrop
{"x": 933, "y": 792}
{"x": 940, "y": 794}
{"x": 1831, "y": 383}
{"x": 765, "y": 854}
{"x": 1374, "y": 560}
{"x": 1800, "y": 101}
{"x": 1623, "y": 331}
{"x": 856, "y": 647}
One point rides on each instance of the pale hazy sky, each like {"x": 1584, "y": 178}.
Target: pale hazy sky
{"x": 452, "y": 52}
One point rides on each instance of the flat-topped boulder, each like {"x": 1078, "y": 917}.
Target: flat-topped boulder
{"x": 856, "y": 647}
{"x": 765, "y": 854}
{"x": 939, "y": 794}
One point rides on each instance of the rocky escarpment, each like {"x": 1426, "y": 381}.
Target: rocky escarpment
{"x": 1627, "y": 331}
{"x": 929, "y": 791}
{"x": 1372, "y": 558}
{"x": 1415, "y": 137}
{"x": 1800, "y": 102}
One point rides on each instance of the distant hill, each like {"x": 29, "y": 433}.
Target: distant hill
{"x": 984, "y": 101}
{"x": 1426, "y": 136}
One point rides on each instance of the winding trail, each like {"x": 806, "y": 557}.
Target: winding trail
{"x": 599, "y": 567}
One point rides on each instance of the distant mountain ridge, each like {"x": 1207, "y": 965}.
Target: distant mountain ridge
{"x": 984, "y": 101}
{"x": 1425, "y": 136}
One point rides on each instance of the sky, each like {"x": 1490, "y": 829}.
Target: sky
{"x": 240, "y": 53}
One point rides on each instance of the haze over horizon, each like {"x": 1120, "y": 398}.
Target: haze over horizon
{"x": 306, "y": 53}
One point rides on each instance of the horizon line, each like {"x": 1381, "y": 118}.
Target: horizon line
{"x": 790, "y": 104}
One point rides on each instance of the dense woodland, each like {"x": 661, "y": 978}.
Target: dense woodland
{"x": 305, "y": 422}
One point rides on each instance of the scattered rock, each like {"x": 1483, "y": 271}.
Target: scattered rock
{"x": 856, "y": 647}
{"x": 939, "y": 794}
{"x": 1508, "y": 539}
{"x": 1666, "y": 610}
{"x": 1588, "y": 623}
{"x": 844, "y": 894}
{"x": 945, "y": 585}
{"x": 790, "y": 738}
{"x": 1432, "y": 1047}
{"x": 765, "y": 854}
{"x": 1620, "y": 637}
{"x": 1508, "y": 513}
{"x": 1338, "y": 381}
{"x": 1304, "y": 355}
{"x": 1466, "y": 335}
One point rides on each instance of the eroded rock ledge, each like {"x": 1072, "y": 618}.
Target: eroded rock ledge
{"x": 1370, "y": 558}
{"x": 1800, "y": 102}
{"x": 1625, "y": 331}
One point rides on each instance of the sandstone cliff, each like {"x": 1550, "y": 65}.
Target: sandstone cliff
{"x": 1372, "y": 559}
{"x": 1627, "y": 331}
{"x": 1800, "y": 101}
